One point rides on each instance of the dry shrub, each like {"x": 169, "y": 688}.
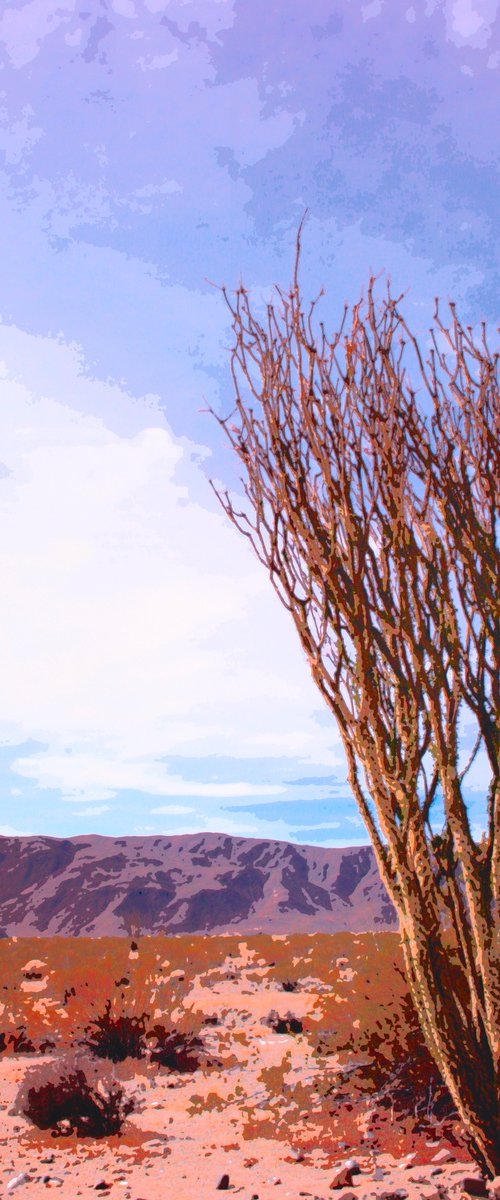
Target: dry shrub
{"x": 176, "y": 1050}
{"x": 286, "y": 1024}
{"x": 69, "y": 1097}
{"x": 22, "y": 1043}
{"x": 116, "y": 1036}
{"x": 388, "y": 1060}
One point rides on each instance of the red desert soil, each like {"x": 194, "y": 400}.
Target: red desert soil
{"x": 308, "y": 1057}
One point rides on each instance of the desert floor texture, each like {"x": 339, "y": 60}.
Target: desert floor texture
{"x": 267, "y": 1066}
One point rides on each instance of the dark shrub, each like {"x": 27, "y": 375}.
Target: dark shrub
{"x": 21, "y": 1043}
{"x": 287, "y": 1024}
{"x": 116, "y": 1037}
{"x": 175, "y": 1050}
{"x": 69, "y": 1098}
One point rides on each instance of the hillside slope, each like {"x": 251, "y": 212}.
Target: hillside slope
{"x": 196, "y": 883}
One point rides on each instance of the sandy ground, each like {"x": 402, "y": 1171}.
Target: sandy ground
{"x": 253, "y": 1115}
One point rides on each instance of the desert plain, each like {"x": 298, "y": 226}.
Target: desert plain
{"x": 266, "y": 1066}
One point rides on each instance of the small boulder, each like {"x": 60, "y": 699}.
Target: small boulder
{"x": 17, "y": 1181}
{"x": 443, "y": 1156}
{"x": 353, "y": 1166}
{"x": 342, "y": 1177}
{"x": 223, "y": 1183}
{"x": 473, "y": 1185}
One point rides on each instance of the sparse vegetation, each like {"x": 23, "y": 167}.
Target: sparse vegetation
{"x": 356, "y": 1081}
{"x": 21, "y": 1043}
{"x": 175, "y": 1050}
{"x": 285, "y": 1024}
{"x": 117, "y": 1036}
{"x": 67, "y": 1097}
{"x": 343, "y": 1069}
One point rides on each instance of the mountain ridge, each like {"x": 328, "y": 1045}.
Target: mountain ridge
{"x": 93, "y": 885}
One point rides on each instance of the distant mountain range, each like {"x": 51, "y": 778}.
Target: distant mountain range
{"x": 196, "y": 883}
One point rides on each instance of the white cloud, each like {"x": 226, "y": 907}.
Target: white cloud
{"x": 173, "y": 810}
{"x": 9, "y": 831}
{"x": 95, "y": 810}
{"x": 470, "y": 22}
{"x": 157, "y": 62}
{"x": 134, "y": 622}
{"x": 22, "y": 30}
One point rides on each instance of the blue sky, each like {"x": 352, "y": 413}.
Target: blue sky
{"x": 150, "y": 148}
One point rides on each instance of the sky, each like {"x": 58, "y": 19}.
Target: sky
{"x": 151, "y": 152}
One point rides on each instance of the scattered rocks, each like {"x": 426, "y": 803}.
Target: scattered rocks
{"x": 408, "y": 1160}
{"x": 17, "y": 1181}
{"x": 342, "y": 1177}
{"x": 353, "y": 1166}
{"x": 473, "y": 1185}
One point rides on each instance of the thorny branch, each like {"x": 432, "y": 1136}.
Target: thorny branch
{"x": 376, "y": 517}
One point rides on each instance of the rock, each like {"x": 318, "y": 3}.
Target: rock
{"x": 102, "y": 1186}
{"x": 223, "y": 1183}
{"x": 494, "y": 1188}
{"x": 17, "y": 1181}
{"x": 408, "y": 1160}
{"x": 341, "y": 1178}
{"x": 353, "y": 1166}
{"x": 443, "y": 1156}
{"x": 394, "y": 1194}
{"x": 473, "y": 1185}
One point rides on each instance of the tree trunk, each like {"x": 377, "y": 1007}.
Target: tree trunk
{"x": 463, "y": 1064}
{"x": 442, "y": 1004}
